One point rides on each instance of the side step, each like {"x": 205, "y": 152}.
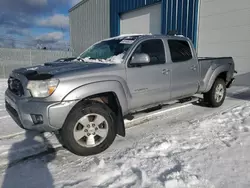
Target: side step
{"x": 158, "y": 108}
{"x": 153, "y": 109}
{"x": 191, "y": 99}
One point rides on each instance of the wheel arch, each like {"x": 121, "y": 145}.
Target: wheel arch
{"x": 98, "y": 88}
{"x": 220, "y": 72}
{"x": 109, "y": 98}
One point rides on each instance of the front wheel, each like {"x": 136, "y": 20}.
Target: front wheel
{"x": 89, "y": 129}
{"x": 217, "y": 94}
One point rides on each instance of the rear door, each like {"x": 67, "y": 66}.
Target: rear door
{"x": 184, "y": 69}
{"x": 149, "y": 83}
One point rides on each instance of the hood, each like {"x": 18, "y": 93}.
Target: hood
{"x": 48, "y": 70}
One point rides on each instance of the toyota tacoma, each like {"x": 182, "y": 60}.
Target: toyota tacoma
{"x": 85, "y": 100}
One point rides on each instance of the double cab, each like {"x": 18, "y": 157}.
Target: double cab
{"x": 84, "y": 100}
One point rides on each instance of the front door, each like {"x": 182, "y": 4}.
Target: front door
{"x": 149, "y": 84}
{"x": 184, "y": 69}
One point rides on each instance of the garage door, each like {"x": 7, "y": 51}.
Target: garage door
{"x": 224, "y": 30}
{"x": 145, "y": 20}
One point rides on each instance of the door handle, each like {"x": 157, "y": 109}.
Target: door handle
{"x": 165, "y": 71}
{"x": 193, "y": 67}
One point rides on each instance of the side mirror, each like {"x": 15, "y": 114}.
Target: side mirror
{"x": 140, "y": 59}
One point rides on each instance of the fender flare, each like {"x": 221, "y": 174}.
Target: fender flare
{"x": 95, "y": 88}
{"x": 214, "y": 76}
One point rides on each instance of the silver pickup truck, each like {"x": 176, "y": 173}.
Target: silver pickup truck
{"x": 84, "y": 101}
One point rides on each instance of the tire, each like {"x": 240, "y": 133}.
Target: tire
{"x": 214, "y": 98}
{"x": 82, "y": 132}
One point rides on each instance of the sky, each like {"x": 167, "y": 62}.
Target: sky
{"x": 35, "y": 23}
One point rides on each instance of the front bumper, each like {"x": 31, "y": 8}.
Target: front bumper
{"x": 54, "y": 113}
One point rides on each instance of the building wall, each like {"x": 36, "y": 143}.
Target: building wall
{"x": 180, "y": 15}
{"x": 94, "y": 20}
{"x": 89, "y": 23}
{"x": 16, "y": 58}
{"x": 224, "y": 30}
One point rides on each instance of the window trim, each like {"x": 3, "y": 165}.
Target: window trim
{"x": 190, "y": 47}
{"x": 128, "y": 59}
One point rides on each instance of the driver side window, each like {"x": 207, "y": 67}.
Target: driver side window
{"x": 154, "y": 48}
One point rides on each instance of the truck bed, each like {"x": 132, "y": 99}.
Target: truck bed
{"x": 209, "y": 65}
{"x": 207, "y": 62}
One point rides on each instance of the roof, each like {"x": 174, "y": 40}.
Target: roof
{"x": 126, "y": 36}
{"x": 130, "y": 36}
{"x": 77, "y": 5}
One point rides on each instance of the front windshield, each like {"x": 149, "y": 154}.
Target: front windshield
{"x": 112, "y": 50}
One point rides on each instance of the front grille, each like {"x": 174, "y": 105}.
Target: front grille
{"x": 15, "y": 86}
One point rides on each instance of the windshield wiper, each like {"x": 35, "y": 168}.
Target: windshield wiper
{"x": 85, "y": 60}
{"x": 80, "y": 59}
{"x": 97, "y": 60}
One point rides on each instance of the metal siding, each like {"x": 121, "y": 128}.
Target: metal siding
{"x": 190, "y": 19}
{"x": 196, "y": 15}
{"x": 184, "y": 18}
{"x": 163, "y": 17}
{"x": 174, "y": 5}
{"x": 169, "y": 15}
{"x": 176, "y": 15}
{"x": 179, "y": 15}
{"x": 95, "y": 20}
{"x": 89, "y": 23}
{"x": 195, "y": 28}
{"x": 224, "y": 27}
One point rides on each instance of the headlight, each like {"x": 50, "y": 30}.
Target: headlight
{"x": 43, "y": 88}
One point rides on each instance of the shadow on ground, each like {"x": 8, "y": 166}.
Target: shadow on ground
{"x": 30, "y": 171}
{"x": 245, "y": 95}
{"x": 242, "y": 80}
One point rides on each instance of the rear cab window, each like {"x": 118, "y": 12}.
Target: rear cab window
{"x": 180, "y": 50}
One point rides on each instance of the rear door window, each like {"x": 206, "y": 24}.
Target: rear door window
{"x": 180, "y": 50}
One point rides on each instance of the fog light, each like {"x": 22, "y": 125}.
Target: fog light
{"x": 37, "y": 119}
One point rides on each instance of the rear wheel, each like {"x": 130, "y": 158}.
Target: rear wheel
{"x": 89, "y": 129}
{"x": 216, "y": 96}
